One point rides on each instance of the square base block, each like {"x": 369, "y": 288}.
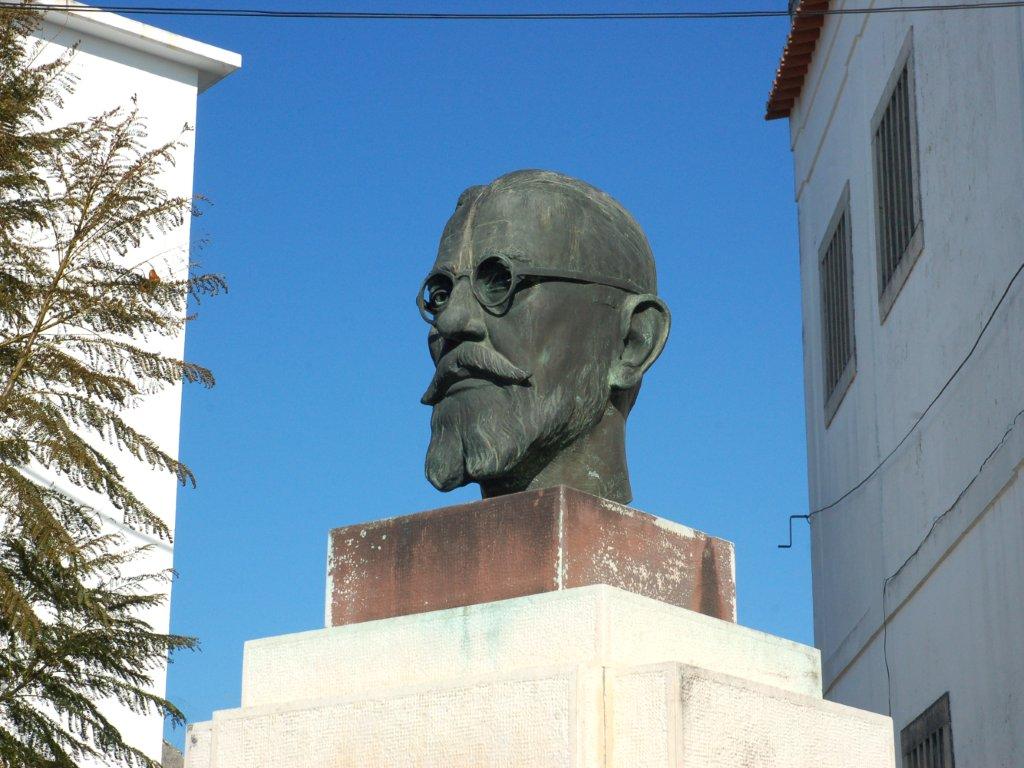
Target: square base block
{"x": 591, "y": 677}
{"x": 660, "y": 716}
{"x": 672, "y": 715}
{"x": 522, "y": 544}
{"x": 593, "y": 626}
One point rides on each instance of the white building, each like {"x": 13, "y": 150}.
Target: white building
{"x": 907, "y": 133}
{"x": 117, "y": 59}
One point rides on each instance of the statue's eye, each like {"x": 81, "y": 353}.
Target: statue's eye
{"x": 493, "y": 281}
{"x": 438, "y": 298}
{"x": 436, "y": 291}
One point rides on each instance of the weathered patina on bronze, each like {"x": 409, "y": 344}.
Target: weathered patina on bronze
{"x": 544, "y": 318}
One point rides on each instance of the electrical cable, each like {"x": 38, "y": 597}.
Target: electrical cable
{"x": 885, "y": 583}
{"x": 629, "y": 15}
{"x": 620, "y": 16}
{"x": 158, "y": 10}
{"x": 917, "y": 421}
{"x": 934, "y": 400}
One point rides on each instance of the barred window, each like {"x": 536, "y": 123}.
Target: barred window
{"x": 897, "y": 198}
{"x": 928, "y": 741}
{"x": 836, "y": 270}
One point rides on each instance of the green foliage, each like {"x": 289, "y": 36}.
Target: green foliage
{"x": 78, "y": 326}
{"x": 92, "y": 646}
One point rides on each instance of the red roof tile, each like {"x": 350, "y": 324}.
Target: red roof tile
{"x": 808, "y": 20}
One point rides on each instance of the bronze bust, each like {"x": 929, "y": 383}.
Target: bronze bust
{"x": 544, "y": 318}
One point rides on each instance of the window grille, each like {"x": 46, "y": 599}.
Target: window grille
{"x": 897, "y": 199}
{"x": 928, "y": 741}
{"x": 836, "y": 270}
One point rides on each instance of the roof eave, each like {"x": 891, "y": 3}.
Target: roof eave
{"x": 808, "y": 19}
{"x": 211, "y": 63}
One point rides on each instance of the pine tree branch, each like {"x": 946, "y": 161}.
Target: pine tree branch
{"x": 75, "y": 200}
{"x": 47, "y": 301}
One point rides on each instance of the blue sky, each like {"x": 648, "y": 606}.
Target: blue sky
{"x": 333, "y": 159}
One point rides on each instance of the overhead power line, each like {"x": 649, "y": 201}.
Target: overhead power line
{"x": 260, "y": 13}
{"x": 934, "y": 400}
{"x": 913, "y": 427}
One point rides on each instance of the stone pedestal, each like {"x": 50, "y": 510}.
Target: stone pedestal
{"x": 518, "y": 545}
{"x": 582, "y": 676}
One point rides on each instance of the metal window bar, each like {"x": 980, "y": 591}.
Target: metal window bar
{"x": 894, "y": 169}
{"x": 886, "y": 179}
{"x": 893, "y": 173}
{"x": 927, "y": 742}
{"x": 904, "y": 209}
{"x": 908, "y": 215}
{"x": 886, "y": 172}
{"x": 833, "y": 316}
{"x": 837, "y": 304}
{"x": 828, "y": 331}
{"x": 845, "y": 291}
{"x": 902, "y": 152}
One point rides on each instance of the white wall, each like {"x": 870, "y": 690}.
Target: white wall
{"x": 956, "y": 609}
{"x": 117, "y": 59}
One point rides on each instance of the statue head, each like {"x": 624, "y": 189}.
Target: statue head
{"x": 544, "y": 317}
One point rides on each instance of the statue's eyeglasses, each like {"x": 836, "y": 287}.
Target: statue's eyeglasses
{"x": 494, "y": 281}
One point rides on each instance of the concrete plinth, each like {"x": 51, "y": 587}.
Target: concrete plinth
{"x": 522, "y": 544}
{"x": 584, "y": 678}
{"x": 548, "y": 629}
{"x": 595, "y": 626}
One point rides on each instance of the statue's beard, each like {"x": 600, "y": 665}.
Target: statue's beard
{"x": 504, "y": 435}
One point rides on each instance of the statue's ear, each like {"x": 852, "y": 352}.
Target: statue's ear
{"x": 645, "y": 324}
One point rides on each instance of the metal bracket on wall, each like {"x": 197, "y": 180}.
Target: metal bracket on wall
{"x": 791, "y": 519}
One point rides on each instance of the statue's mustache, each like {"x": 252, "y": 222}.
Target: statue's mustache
{"x": 471, "y": 360}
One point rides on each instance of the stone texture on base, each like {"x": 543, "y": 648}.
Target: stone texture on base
{"x": 311, "y": 705}
{"x": 522, "y": 544}
{"x": 661, "y": 716}
{"x": 597, "y": 625}
{"x": 542, "y": 717}
{"x": 671, "y": 715}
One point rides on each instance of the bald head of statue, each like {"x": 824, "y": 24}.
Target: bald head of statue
{"x": 544, "y": 317}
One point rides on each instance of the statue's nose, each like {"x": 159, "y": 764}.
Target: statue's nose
{"x": 463, "y": 317}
